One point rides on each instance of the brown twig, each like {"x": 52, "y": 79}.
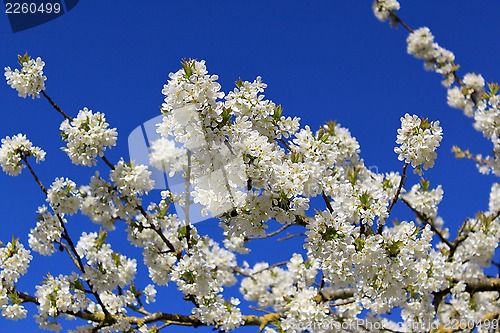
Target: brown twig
{"x": 430, "y": 222}
{"x": 55, "y": 106}
{"x": 37, "y": 180}
{"x": 396, "y": 196}
{"x": 327, "y": 202}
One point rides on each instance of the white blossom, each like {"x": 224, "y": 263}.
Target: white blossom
{"x": 29, "y": 81}
{"x": 47, "y": 231}
{"x": 99, "y": 200}
{"x": 14, "y": 312}
{"x": 63, "y": 196}
{"x": 14, "y": 262}
{"x": 14, "y": 150}
{"x": 382, "y": 8}
{"x": 150, "y": 293}
{"x": 494, "y": 204}
{"x": 418, "y": 141}
{"x": 105, "y": 269}
{"x": 87, "y": 136}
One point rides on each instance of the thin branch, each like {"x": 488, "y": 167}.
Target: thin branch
{"x": 73, "y": 258}
{"x": 327, "y": 202}
{"x": 37, "y": 180}
{"x": 284, "y": 227}
{"x": 289, "y": 236}
{"x": 55, "y": 106}
{"x": 429, "y": 221}
{"x": 395, "y": 18}
{"x": 396, "y": 196}
{"x": 187, "y": 203}
{"x": 400, "y": 187}
{"x": 108, "y": 163}
{"x": 287, "y": 146}
{"x": 241, "y": 272}
{"x": 158, "y": 231}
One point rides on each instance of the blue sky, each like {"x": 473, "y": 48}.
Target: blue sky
{"x": 323, "y": 60}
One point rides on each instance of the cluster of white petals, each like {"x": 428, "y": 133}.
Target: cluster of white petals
{"x": 131, "y": 179}
{"x": 14, "y": 150}
{"x": 14, "y": 262}
{"x": 421, "y": 45}
{"x": 29, "y": 81}
{"x": 87, "y": 136}
{"x": 105, "y": 269}
{"x": 63, "y": 196}
{"x": 59, "y": 295}
{"x": 383, "y": 8}
{"x": 47, "y": 231}
{"x": 99, "y": 201}
{"x": 426, "y": 201}
{"x": 418, "y": 140}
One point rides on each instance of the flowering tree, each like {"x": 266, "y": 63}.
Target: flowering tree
{"x": 246, "y": 164}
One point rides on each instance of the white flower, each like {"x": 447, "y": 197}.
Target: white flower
{"x": 29, "y": 81}
{"x": 382, "y": 8}
{"x": 418, "y": 141}
{"x": 192, "y": 85}
{"x": 14, "y": 150}
{"x": 98, "y": 201}
{"x": 494, "y": 204}
{"x": 14, "y": 262}
{"x": 47, "y": 231}
{"x": 105, "y": 269}
{"x": 131, "y": 179}
{"x": 303, "y": 311}
{"x": 474, "y": 81}
{"x": 14, "y": 312}
{"x": 456, "y": 99}
{"x": 87, "y": 136}
{"x": 59, "y": 294}
{"x": 63, "y": 196}
{"x": 421, "y": 43}
{"x": 425, "y": 201}
{"x": 150, "y": 293}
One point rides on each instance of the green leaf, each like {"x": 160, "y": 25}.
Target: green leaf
{"x": 425, "y": 184}
{"x": 278, "y": 110}
{"x": 188, "y": 66}
{"x": 101, "y": 239}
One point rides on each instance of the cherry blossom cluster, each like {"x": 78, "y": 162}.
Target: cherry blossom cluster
{"x": 29, "y": 81}
{"x": 418, "y": 140}
{"x": 421, "y": 45}
{"x": 383, "y": 8}
{"x": 100, "y": 202}
{"x": 87, "y": 137}
{"x": 63, "y": 196}
{"x": 57, "y": 296}
{"x": 14, "y": 150}
{"x": 47, "y": 231}
{"x": 105, "y": 269}
{"x": 14, "y": 262}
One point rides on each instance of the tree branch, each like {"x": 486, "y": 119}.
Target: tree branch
{"x": 430, "y": 222}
